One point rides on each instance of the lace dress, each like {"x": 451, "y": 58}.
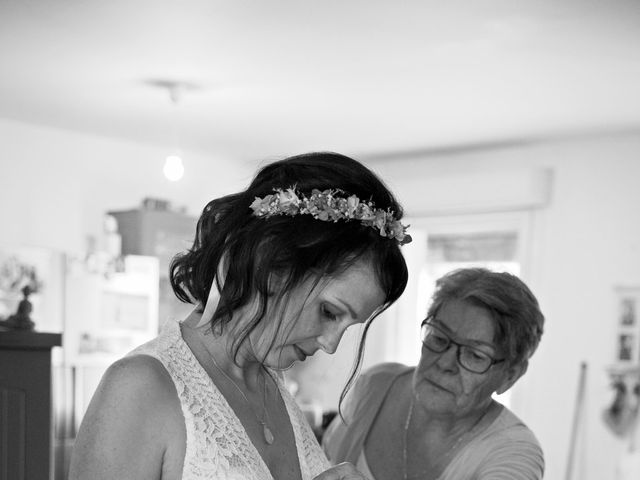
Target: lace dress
{"x": 218, "y": 448}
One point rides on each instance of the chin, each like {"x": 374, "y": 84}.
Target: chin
{"x": 281, "y": 366}
{"x": 281, "y": 363}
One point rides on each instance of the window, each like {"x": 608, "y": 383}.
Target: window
{"x": 441, "y": 244}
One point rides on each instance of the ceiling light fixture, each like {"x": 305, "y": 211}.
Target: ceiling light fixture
{"x": 173, "y": 168}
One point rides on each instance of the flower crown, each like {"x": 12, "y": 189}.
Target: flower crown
{"x": 331, "y": 206}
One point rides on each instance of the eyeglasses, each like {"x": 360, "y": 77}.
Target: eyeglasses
{"x": 469, "y": 358}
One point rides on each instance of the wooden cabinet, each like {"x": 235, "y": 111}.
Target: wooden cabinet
{"x": 25, "y": 404}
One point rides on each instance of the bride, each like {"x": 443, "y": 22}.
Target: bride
{"x": 277, "y": 272}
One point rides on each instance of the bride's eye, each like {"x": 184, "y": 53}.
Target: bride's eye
{"x": 328, "y": 313}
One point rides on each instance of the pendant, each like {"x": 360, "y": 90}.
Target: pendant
{"x": 266, "y": 432}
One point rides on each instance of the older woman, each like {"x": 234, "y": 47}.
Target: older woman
{"x": 438, "y": 420}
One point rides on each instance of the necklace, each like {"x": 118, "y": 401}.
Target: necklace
{"x": 407, "y": 422}
{"x": 266, "y": 431}
{"x": 405, "y": 475}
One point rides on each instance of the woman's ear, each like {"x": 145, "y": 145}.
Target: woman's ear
{"x": 514, "y": 372}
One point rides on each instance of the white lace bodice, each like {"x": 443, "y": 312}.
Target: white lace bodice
{"x": 218, "y": 448}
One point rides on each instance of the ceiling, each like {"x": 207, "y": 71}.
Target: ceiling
{"x": 276, "y": 77}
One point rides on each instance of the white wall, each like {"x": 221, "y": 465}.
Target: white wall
{"x": 56, "y": 185}
{"x": 586, "y": 242}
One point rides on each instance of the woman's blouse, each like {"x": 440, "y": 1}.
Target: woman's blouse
{"x": 506, "y": 450}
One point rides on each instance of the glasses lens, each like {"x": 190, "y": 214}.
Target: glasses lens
{"x": 434, "y": 339}
{"x": 474, "y": 360}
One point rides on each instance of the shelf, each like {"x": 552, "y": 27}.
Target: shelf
{"x": 28, "y": 340}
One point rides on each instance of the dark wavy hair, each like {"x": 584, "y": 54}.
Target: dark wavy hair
{"x": 515, "y": 310}
{"x": 255, "y": 250}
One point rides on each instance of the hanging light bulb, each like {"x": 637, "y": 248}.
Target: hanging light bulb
{"x": 173, "y": 168}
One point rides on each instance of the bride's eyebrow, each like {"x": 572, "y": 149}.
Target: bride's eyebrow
{"x": 345, "y": 304}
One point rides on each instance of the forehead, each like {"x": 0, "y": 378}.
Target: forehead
{"x": 466, "y": 320}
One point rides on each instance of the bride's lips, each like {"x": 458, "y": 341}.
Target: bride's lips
{"x": 301, "y": 354}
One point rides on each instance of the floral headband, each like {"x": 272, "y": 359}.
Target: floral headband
{"x": 331, "y": 206}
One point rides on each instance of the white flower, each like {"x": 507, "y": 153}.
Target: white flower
{"x": 330, "y": 206}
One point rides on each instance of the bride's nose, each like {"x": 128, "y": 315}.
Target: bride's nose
{"x": 330, "y": 339}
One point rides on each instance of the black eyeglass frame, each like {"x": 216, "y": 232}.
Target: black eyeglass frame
{"x": 459, "y": 346}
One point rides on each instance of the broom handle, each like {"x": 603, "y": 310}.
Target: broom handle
{"x": 577, "y": 415}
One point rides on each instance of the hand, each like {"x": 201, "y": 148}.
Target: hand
{"x": 342, "y": 471}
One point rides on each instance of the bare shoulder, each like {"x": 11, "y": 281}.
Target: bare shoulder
{"x": 134, "y": 415}
{"x": 137, "y": 384}
{"x": 140, "y": 375}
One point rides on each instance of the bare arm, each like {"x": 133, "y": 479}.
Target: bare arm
{"x": 129, "y": 424}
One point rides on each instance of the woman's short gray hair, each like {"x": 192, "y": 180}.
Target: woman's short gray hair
{"x": 515, "y": 310}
